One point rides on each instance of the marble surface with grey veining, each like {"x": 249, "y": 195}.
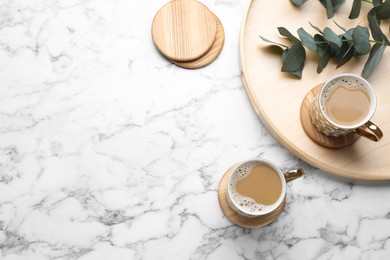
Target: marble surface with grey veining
{"x": 108, "y": 151}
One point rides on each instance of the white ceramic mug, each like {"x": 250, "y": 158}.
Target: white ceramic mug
{"x": 269, "y": 212}
{"x": 321, "y": 120}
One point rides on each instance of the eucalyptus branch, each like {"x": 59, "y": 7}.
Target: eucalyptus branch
{"x": 327, "y": 44}
{"x": 332, "y": 5}
{"x": 343, "y": 47}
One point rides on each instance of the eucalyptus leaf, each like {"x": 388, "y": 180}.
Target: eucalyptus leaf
{"x": 322, "y": 45}
{"x": 331, "y": 36}
{"x": 342, "y": 28}
{"x": 374, "y": 25}
{"x": 324, "y": 59}
{"x": 337, "y": 3}
{"x": 295, "y": 56}
{"x": 361, "y": 40}
{"x": 376, "y": 2}
{"x": 355, "y": 11}
{"x": 323, "y": 51}
{"x": 273, "y": 43}
{"x": 316, "y": 28}
{"x": 346, "y": 57}
{"x": 344, "y": 48}
{"x": 284, "y": 55}
{"x": 376, "y": 31}
{"x": 329, "y": 9}
{"x": 307, "y": 40}
{"x": 298, "y": 72}
{"x": 376, "y": 55}
{"x": 348, "y": 34}
{"x": 298, "y": 2}
{"x": 331, "y": 6}
{"x": 383, "y": 10}
{"x": 284, "y": 32}
{"x": 334, "y": 49}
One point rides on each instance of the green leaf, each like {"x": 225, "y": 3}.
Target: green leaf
{"x": 307, "y": 40}
{"x": 361, "y": 40}
{"x": 334, "y": 49}
{"x": 348, "y": 34}
{"x": 374, "y": 58}
{"x": 322, "y": 45}
{"x": 374, "y": 26}
{"x": 347, "y": 56}
{"x": 329, "y": 9}
{"x": 376, "y": 31}
{"x": 342, "y": 28}
{"x": 376, "y": 2}
{"x": 316, "y": 28}
{"x": 383, "y": 11}
{"x": 284, "y": 32}
{"x": 323, "y": 51}
{"x": 273, "y": 43}
{"x": 284, "y": 55}
{"x": 337, "y": 3}
{"x": 355, "y": 11}
{"x": 324, "y": 59}
{"x": 331, "y": 6}
{"x": 331, "y": 36}
{"x": 298, "y": 2}
{"x": 298, "y": 72}
{"x": 344, "y": 48}
{"x": 293, "y": 59}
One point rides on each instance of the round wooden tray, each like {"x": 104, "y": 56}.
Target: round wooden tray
{"x": 276, "y": 97}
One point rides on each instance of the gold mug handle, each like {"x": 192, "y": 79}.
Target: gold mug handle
{"x": 374, "y": 133}
{"x": 294, "y": 174}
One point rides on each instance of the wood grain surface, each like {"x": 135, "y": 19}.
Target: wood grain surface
{"x": 311, "y": 130}
{"x": 238, "y": 219}
{"x": 211, "y": 54}
{"x": 184, "y": 30}
{"x": 276, "y": 97}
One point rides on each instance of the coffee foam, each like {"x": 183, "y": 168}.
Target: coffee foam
{"x": 244, "y": 203}
{"x": 346, "y": 82}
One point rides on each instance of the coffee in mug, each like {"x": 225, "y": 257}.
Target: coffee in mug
{"x": 348, "y": 106}
{"x": 345, "y": 104}
{"x": 257, "y": 187}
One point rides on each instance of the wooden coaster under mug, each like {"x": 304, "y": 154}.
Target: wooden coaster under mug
{"x": 184, "y": 30}
{"x": 312, "y": 132}
{"x": 233, "y": 216}
{"x": 210, "y": 55}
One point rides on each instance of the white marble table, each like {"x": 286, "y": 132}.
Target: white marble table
{"x": 108, "y": 151}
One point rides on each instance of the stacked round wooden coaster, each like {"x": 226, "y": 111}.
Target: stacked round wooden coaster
{"x": 188, "y": 33}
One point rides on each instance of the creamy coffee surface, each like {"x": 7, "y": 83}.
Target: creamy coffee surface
{"x": 255, "y": 187}
{"x": 262, "y": 184}
{"x": 348, "y": 106}
{"x": 346, "y": 101}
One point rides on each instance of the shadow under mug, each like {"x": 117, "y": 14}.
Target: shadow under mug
{"x": 322, "y": 121}
{"x": 268, "y": 213}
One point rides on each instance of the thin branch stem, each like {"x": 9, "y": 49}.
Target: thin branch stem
{"x": 373, "y": 41}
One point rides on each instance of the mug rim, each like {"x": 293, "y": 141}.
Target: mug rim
{"x": 272, "y": 207}
{"x": 372, "y": 106}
